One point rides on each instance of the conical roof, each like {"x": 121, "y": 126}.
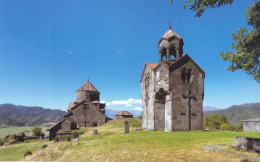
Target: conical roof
{"x": 87, "y": 87}
{"x": 171, "y": 33}
{"x": 124, "y": 113}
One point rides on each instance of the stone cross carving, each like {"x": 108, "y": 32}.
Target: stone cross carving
{"x": 189, "y": 97}
{"x": 126, "y": 126}
{"x": 146, "y": 99}
{"x": 147, "y": 77}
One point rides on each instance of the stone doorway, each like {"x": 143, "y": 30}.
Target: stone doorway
{"x": 159, "y": 110}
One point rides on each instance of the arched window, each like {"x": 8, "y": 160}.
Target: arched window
{"x": 189, "y": 72}
{"x": 164, "y": 58}
{"x": 183, "y": 74}
{"x": 172, "y": 52}
{"x": 172, "y": 57}
{"x": 160, "y": 96}
{"x": 94, "y": 124}
{"x": 163, "y": 54}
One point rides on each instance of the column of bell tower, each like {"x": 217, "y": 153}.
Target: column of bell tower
{"x": 171, "y": 44}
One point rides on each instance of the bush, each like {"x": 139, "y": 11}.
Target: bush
{"x": 44, "y": 146}
{"x": 66, "y": 138}
{"x": 2, "y": 141}
{"x": 27, "y": 153}
{"x": 56, "y": 139}
{"x": 75, "y": 134}
{"x": 215, "y": 121}
{"x": 37, "y": 131}
{"x": 224, "y": 127}
{"x": 238, "y": 127}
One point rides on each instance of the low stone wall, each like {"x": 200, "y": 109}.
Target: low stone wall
{"x": 247, "y": 143}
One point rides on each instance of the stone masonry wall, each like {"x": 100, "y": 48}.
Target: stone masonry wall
{"x": 251, "y": 126}
{"x": 87, "y": 116}
{"x": 182, "y": 93}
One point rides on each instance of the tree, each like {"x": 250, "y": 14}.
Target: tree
{"x": 199, "y": 6}
{"x": 37, "y": 131}
{"x": 246, "y": 55}
{"x": 224, "y": 127}
{"x": 215, "y": 121}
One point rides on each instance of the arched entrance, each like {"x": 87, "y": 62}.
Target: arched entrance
{"x": 159, "y": 109}
{"x": 94, "y": 124}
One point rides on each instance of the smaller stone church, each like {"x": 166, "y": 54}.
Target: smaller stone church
{"x": 86, "y": 111}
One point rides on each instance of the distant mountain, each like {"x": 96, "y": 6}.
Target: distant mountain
{"x": 209, "y": 108}
{"x": 16, "y": 115}
{"x": 237, "y": 113}
{"x": 112, "y": 113}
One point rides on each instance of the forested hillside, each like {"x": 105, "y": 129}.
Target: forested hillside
{"x": 16, "y": 115}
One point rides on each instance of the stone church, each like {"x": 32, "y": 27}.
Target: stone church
{"x": 86, "y": 111}
{"x": 173, "y": 89}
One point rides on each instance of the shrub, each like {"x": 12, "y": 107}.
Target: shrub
{"x": 75, "y": 134}
{"x": 37, "y": 131}
{"x": 231, "y": 127}
{"x": 215, "y": 121}
{"x": 44, "y": 146}
{"x": 56, "y": 139}
{"x": 224, "y": 127}
{"x": 2, "y": 141}
{"x": 238, "y": 127}
{"x": 27, "y": 153}
{"x": 66, "y": 138}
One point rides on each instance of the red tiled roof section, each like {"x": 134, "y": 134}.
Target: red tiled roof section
{"x": 124, "y": 113}
{"x": 87, "y": 87}
{"x": 152, "y": 65}
{"x": 171, "y": 33}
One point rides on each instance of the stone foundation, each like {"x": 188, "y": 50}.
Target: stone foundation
{"x": 247, "y": 143}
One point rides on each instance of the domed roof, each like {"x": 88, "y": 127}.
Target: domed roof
{"x": 87, "y": 87}
{"x": 171, "y": 33}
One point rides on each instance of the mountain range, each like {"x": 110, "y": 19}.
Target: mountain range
{"x": 17, "y": 115}
{"x": 237, "y": 113}
{"x": 209, "y": 108}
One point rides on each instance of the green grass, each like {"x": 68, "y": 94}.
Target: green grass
{"x": 13, "y": 130}
{"x": 111, "y": 144}
{"x": 16, "y": 152}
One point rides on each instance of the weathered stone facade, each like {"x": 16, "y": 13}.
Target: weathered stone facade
{"x": 251, "y": 125}
{"x": 247, "y": 143}
{"x": 86, "y": 111}
{"x": 173, "y": 89}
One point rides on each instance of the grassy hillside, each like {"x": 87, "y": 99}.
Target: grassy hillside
{"x": 237, "y": 113}
{"x": 16, "y": 152}
{"x": 111, "y": 144}
{"x": 15, "y": 115}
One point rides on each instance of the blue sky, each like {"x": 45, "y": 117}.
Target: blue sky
{"x": 48, "y": 48}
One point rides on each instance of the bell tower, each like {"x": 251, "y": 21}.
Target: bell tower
{"x": 170, "y": 46}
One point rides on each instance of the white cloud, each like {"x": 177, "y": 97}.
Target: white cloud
{"x": 128, "y": 103}
{"x": 138, "y": 108}
{"x": 103, "y": 101}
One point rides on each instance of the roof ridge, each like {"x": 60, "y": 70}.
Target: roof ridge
{"x": 87, "y": 86}
{"x": 169, "y": 33}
